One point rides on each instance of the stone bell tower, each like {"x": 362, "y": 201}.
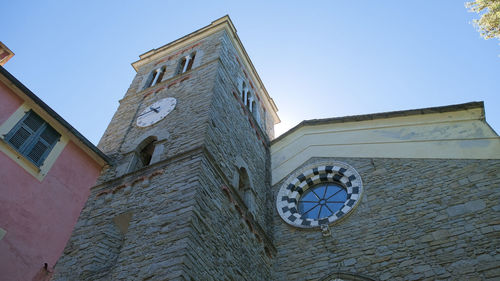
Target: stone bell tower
{"x": 188, "y": 196}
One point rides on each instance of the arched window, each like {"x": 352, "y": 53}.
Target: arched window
{"x": 151, "y": 79}
{"x": 255, "y": 111}
{"x": 248, "y": 99}
{"x": 146, "y": 153}
{"x": 186, "y": 63}
{"x": 191, "y": 61}
{"x": 243, "y": 90}
{"x": 156, "y": 76}
{"x": 182, "y": 64}
{"x": 160, "y": 74}
{"x": 143, "y": 154}
{"x": 245, "y": 191}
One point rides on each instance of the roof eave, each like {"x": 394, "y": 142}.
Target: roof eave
{"x": 382, "y": 115}
{"x": 29, "y": 94}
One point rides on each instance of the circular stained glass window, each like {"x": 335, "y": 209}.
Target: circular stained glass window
{"x": 322, "y": 200}
{"x": 319, "y": 195}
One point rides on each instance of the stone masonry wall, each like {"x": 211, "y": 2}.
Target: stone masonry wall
{"x": 419, "y": 219}
{"x": 223, "y": 246}
{"x": 234, "y": 136}
{"x": 153, "y": 245}
{"x": 183, "y": 128}
{"x": 231, "y": 240}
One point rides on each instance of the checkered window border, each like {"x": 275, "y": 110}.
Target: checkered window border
{"x": 335, "y": 172}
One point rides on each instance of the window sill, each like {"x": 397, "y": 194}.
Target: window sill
{"x": 38, "y": 172}
{"x": 19, "y": 158}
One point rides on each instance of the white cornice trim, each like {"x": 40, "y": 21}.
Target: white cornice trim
{"x": 462, "y": 134}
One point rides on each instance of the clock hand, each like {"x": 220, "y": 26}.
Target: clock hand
{"x": 144, "y": 113}
{"x": 152, "y": 109}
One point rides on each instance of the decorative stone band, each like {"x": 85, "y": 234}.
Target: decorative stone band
{"x": 335, "y": 172}
{"x": 143, "y": 181}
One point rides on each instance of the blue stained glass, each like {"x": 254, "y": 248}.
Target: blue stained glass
{"x": 320, "y": 191}
{"x": 339, "y": 197}
{"x": 324, "y": 212}
{"x": 312, "y": 214}
{"x": 322, "y": 200}
{"x": 331, "y": 190}
{"x": 305, "y": 206}
{"x": 309, "y": 196}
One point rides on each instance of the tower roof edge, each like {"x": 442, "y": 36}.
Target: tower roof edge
{"x": 216, "y": 25}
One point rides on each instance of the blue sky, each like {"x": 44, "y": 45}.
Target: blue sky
{"x": 317, "y": 59}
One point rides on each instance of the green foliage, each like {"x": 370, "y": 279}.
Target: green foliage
{"x": 489, "y": 23}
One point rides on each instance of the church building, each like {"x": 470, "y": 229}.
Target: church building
{"x": 199, "y": 188}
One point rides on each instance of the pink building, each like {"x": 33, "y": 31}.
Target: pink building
{"x": 46, "y": 171}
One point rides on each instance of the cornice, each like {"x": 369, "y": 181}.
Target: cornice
{"x": 383, "y": 115}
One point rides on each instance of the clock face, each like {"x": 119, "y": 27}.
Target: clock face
{"x": 155, "y": 112}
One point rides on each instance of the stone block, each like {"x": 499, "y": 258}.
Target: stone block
{"x": 426, "y": 238}
{"x": 494, "y": 274}
{"x": 421, "y": 268}
{"x": 474, "y": 206}
{"x": 440, "y": 234}
{"x": 462, "y": 267}
{"x": 349, "y": 262}
{"x": 456, "y": 210}
{"x": 416, "y": 276}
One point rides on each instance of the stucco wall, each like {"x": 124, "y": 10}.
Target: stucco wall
{"x": 39, "y": 216}
{"x": 10, "y": 102}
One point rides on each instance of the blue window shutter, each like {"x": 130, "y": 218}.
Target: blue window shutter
{"x": 19, "y": 137}
{"x": 50, "y": 136}
{"x": 43, "y": 145}
{"x": 33, "y": 138}
{"x": 37, "y": 151}
{"x": 33, "y": 121}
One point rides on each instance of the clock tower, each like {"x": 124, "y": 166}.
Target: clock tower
{"x": 189, "y": 188}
